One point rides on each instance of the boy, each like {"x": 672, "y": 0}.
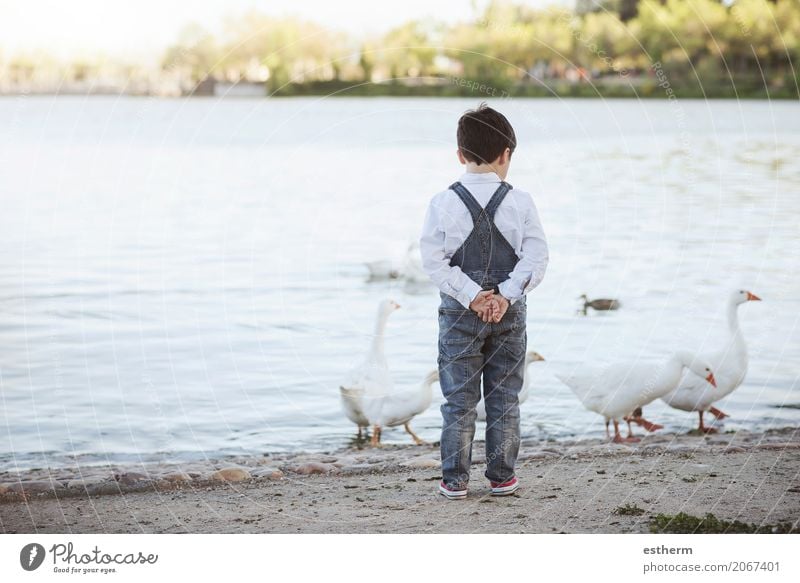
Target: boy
{"x": 483, "y": 246}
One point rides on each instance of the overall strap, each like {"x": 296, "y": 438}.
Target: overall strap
{"x": 474, "y": 207}
{"x": 497, "y": 198}
{"x": 469, "y": 201}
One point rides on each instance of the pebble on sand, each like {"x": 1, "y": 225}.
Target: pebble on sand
{"x": 309, "y": 468}
{"x": 270, "y": 473}
{"x": 86, "y": 482}
{"x": 422, "y": 462}
{"x": 175, "y": 477}
{"x": 131, "y": 478}
{"x": 230, "y": 475}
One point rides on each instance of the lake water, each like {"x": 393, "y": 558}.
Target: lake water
{"x": 184, "y": 279}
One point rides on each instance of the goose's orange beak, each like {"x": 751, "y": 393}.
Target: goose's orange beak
{"x": 710, "y": 378}
{"x": 753, "y": 297}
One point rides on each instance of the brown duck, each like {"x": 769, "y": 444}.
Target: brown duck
{"x": 599, "y": 304}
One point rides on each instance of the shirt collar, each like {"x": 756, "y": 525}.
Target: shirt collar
{"x": 484, "y": 177}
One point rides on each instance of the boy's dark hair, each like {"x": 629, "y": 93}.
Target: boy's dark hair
{"x": 483, "y": 134}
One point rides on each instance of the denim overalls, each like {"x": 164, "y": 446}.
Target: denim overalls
{"x": 469, "y": 347}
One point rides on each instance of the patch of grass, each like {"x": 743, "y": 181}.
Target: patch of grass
{"x": 683, "y": 523}
{"x": 629, "y": 510}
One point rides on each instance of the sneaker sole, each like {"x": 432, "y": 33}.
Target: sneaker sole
{"x": 507, "y": 491}
{"x": 452, "y": 495}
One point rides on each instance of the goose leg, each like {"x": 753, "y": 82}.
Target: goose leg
{"x": 637, "y": 418}
{"x": 375, "y": 441}
{"x": 702, "y": 428}
{"x": 414, "y": 436}
{"x": 608, "y": 434}
{"x": 642, "y": 422}
{"x": 717, "y": 413}
{"x": 617, "y": 437}
{"x": 631, "y": 438}
{"x": 360, "y": 434}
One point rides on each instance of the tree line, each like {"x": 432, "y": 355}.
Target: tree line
{"x": 698, "y": 44}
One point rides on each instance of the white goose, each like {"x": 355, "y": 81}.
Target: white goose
{"x": 399, "y": 408}
{"x": 351, "y": 405}
{"x": 408, "y": 267}
{"x": 530, "y": 357}
{"x": 371, "y": 377}
{"x": 413, "y": 265}
{"x": 729, "y": 365}
{"x": 383, "y": 269}
{"x": 616, "y": 390}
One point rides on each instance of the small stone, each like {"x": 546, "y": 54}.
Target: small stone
{"x": 232, "y": 474}
{"x": 269, "y": 473}
{"x": 421, "y": 462}
{"x": 86, "y": 482}
{"x": 734, "y": 449}
{"x": 309, "y": 468}
{"x": 131, "y": 478}
{"x": 174, "y": 477}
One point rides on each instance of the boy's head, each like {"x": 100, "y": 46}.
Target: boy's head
{"x": 485, "y": 137}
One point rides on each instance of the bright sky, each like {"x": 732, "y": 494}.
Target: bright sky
{"x": 143, "y": 28}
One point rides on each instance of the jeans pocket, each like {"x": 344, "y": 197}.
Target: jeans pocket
{"x": 457, "y": 335}
{"x": 517, "y": 337}
{"x": 456, "y": 326}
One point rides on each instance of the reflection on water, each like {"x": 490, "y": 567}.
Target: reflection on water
{"x": 187, "y": 278}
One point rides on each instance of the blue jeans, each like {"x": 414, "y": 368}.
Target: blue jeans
{"x": 468, "y": 349}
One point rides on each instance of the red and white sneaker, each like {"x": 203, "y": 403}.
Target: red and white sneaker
{"x": 505, "y": 488}
{"x": 450, "y": 493}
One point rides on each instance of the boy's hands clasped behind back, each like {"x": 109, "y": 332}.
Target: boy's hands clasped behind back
{"x": 489, "y": 306}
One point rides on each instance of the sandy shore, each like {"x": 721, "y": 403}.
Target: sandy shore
{"x": 582, "y": 486}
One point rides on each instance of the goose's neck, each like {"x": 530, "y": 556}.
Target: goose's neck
{"x": 378, "y": 337}
{"x": 426, "y": 388}
{"x": 670, "y": 374}
{"x": 733, "y": 325}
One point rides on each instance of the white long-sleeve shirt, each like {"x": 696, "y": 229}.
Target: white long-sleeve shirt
{"x": 448, "y": 223}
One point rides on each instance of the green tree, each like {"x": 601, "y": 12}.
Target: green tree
{"x": 196, "y": 52}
